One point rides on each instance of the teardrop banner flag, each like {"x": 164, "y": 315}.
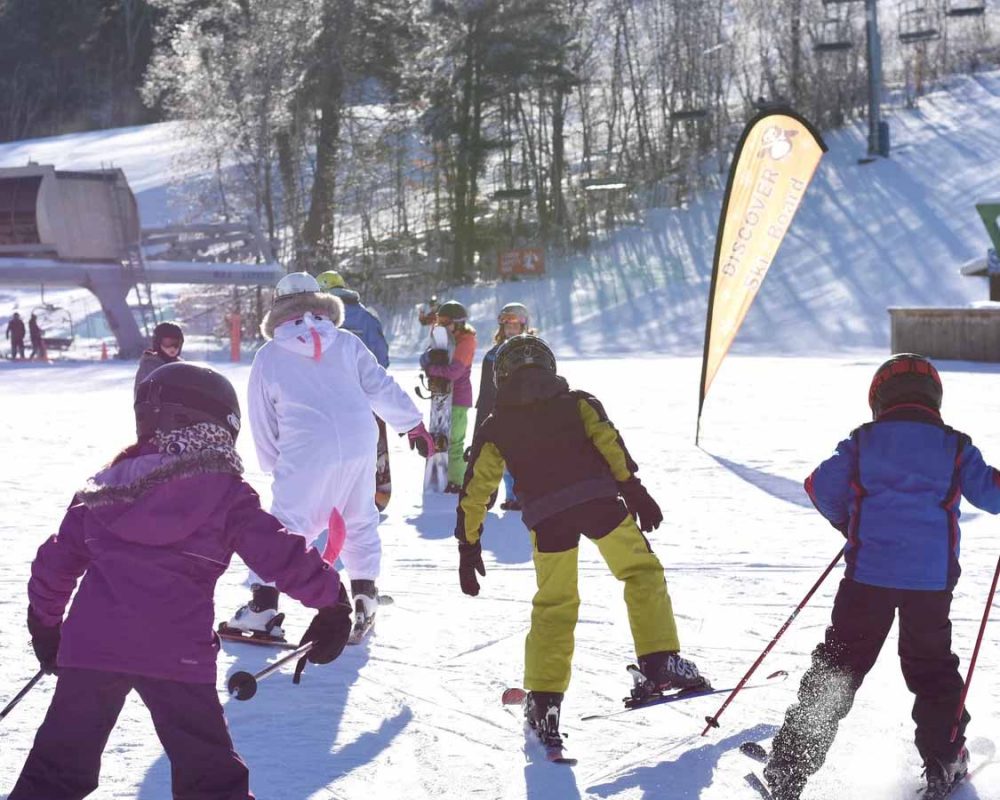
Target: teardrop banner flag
{"x": 773, "y": 164}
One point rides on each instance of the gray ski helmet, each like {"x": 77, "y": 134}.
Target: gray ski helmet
{"x": 452, "y": 310}
{"x": 523, "y": 350}
{"x": 180, "y": 394}
{"x": 906, "y": 378}
{"x": 514, "y": 312}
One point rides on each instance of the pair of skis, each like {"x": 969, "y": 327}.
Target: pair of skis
{"x": 555, "y": 752}
{"x": 984, "y": 748}
{"x": 358, "y": 634}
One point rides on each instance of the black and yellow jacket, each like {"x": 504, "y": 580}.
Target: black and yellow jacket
{"x": 559, "y": 446}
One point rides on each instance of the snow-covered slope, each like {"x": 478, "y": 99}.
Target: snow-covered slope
{"x": 416, "y": 713}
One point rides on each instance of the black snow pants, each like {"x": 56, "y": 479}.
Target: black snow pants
{"x": 862, "y": 618}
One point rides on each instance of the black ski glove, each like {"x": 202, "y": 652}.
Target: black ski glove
{"x": 640, "y": 505}
{"x": 45, "y": 641}
{"x": 470, "y": 561}
{"x": 328, "y": 631}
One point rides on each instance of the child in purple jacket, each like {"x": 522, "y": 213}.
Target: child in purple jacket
{"x": 150, "y": 535}
{"x": 893, "y": 489}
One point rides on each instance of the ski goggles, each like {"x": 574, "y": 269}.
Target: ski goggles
{"x": 510, "y": 316}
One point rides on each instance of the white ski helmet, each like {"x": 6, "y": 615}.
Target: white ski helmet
{"x": 296, "y": 283}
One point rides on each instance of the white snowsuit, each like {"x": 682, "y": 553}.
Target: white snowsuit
{"x": 314, "y": 431}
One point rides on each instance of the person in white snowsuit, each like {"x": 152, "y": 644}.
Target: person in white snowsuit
{"x": 311, "y": 394}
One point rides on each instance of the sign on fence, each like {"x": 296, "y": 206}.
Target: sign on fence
{"x": 524, "y": 261}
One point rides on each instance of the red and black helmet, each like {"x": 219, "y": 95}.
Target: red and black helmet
{"x": 905, "y": 378}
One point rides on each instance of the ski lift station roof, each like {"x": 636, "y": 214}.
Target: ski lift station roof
{"x": 85, "y": 216}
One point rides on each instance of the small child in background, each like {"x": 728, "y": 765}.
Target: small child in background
{"x": 512, "y": 320}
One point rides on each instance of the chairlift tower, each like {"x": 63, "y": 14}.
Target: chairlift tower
{"x": 833, "y": 35}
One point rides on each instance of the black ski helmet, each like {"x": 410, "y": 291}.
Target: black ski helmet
{"x": 523, "y": 350}
{"x": 180, "y": 394}
{"x": 452, "y": 310}
{"x": 167, "y": 330}
{"x": 905, "y": 378}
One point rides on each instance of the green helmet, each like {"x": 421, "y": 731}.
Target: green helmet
{"x": 331, "y": 279}
{"x": 523, "y": 350}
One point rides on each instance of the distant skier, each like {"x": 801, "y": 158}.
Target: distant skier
{"x": 427, "y": 312}
{"x": 35, "y": 335}
{"x": 365, "y": 324}
{"x": 358, "y": 318}
{"x": 573, "y": 476}
{"x": 151, "y": 534}
{"x": 512, "y": 320}
{"x": 15, "y": 332}
{"x": 893, "y": 489}
{"x": 168, "y": 341}
{"x": 452, "y": 316}
{"x": 312, "y": 392}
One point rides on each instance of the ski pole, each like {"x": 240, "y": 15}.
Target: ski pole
{"x": 20, "y": 695}
{"x": 713, "y": 721}
{"x": 243, "y": 685}
{"x": 975, "y": 655}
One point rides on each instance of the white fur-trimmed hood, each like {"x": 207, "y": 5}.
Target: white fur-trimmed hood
{"x": 294, "y": 306}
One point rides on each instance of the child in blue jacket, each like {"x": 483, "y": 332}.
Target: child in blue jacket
{"x": 893, "y": 488}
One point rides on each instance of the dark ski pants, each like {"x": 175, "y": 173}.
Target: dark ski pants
{"x": 862, "y": 618}
{"x": 16, "y": 346}
{"x": 65, "y": 760}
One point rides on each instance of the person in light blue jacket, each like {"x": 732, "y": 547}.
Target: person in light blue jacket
{"x": 358, "y": 319}
{"x": 893, "y": 489}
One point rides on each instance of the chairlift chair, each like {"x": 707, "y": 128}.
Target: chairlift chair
{"x": 965, "y": 8}
{"x": 918, "y": 23}
{"x": 833, "y": 35}
{"x": 57, "y": 326}
{"x": 603, "y": 184}
{"x": 693, "y": 114}
{"x": 510, "y": 182}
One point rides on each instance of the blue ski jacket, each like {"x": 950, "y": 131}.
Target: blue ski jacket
{"x": 363, "y": 323}
{"x": 893, "y": 488}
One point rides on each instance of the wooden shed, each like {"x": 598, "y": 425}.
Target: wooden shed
{"x": 960, "y": 334}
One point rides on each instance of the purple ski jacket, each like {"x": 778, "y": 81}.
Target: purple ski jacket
{"x": 150, "y": 560}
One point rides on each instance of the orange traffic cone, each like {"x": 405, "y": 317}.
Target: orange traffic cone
{"x": 104, "y": 351}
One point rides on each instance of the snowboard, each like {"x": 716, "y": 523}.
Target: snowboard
{"x": 383, "y": 477}
{"x": 439, "y": 427}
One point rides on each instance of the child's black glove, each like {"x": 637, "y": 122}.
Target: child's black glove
{"x": 640, "y": 505}
{"x": 328, "y": 631}
{"x": 470, "y": 561}
{"x": 45, "y": 641}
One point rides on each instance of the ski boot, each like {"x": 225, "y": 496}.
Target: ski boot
{"x": 511, "y": 504}
{"x": 541, "y": 709}
{"x": 259, "y": 619}
{"x": 943, "y": 778}
{"x": 669, "y": 671}
{"x": 783, "y": 784}
{"x": 365, "y": 605}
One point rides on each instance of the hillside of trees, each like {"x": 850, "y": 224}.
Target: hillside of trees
{"x": 396, "y": 138}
